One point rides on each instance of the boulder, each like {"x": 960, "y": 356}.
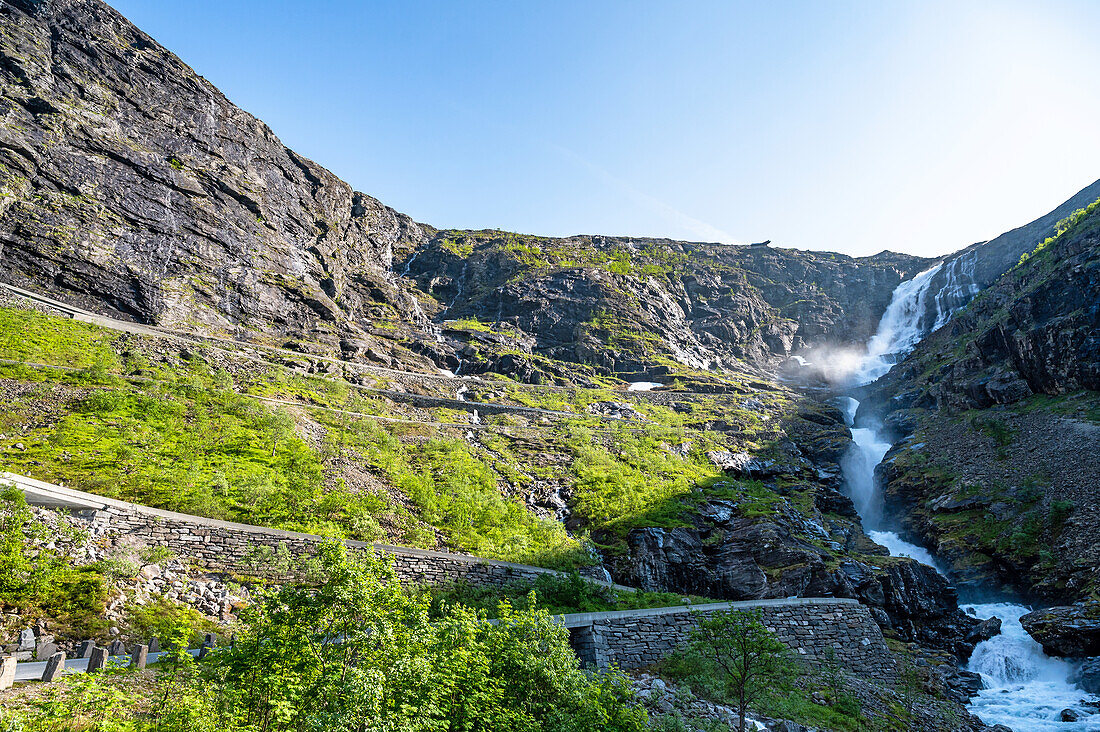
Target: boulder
{"x": 743, "y": 464}
{"x": 1086, "y": 674}
{"x": 960, "y": 686}
{"x": 984, "y": 630}
{"x": 1069, "y": 630}
{"x": 45, "y": 649}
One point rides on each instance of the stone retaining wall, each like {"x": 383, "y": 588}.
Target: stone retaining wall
{"x": 807, "y": 626}
{"x": 223, "y": 546}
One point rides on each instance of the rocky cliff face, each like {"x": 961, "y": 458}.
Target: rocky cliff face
{"x": 131, "y": 185}
{"x": 999, "y": 411}
{"x": 627, "y": 305}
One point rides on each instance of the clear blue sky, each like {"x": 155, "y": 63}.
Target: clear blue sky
{"x": 851, "y": 126}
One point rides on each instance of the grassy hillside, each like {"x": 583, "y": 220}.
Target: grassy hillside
{"x": 191, "y": 428}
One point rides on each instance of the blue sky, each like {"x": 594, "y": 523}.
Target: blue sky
{"x": 849, "y": 126}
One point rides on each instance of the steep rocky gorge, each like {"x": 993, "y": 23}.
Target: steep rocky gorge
{"x": 131, "y": 186}
{"x": 999, "y": 413}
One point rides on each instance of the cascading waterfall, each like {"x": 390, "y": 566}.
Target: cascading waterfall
{"x": 1024, "y": 688}
{"x": 900, "y": 328}
{"x": 959, "y": 289}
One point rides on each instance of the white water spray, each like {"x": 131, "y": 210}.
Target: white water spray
{"x": 1024, "y": 688}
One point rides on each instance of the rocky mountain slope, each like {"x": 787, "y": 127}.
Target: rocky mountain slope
{"x": 131, "y": 185}
{"x": 1002, "y": 417}
{"x": 639, "y": 306}
{"x": 967, "y": 272}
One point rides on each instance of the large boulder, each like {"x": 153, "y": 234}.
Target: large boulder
{"x": 1086, "y": 675}
{"x": 1069, "y": 630}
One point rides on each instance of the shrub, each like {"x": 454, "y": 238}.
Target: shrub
{"x": 41, "y": 582}
{"x": 356, "y": 652}
{"x": 169, "y": 622}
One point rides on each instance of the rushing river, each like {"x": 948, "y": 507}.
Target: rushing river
{"x": 1025, "y": 689}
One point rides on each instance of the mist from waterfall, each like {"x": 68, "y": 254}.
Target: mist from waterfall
{"x": 1024, "y": 688}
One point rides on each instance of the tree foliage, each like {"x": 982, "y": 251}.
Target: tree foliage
{"x": 747, "y": 657}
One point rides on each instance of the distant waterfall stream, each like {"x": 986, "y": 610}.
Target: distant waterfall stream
{"x": 1024, "y": 688}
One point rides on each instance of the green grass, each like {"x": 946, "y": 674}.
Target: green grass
{"x": 454, "y": 488}
{"x": 195, "y": 441}
{"x": 26, "y": 335}
{"x": 210, "y": 453}
{"x": 636, "y": 480}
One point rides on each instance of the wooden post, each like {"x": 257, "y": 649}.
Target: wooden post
{"x": 54, "y": 667}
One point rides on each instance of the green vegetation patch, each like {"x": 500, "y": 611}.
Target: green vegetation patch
{"x": 345, "y": 651}
{"x": 454, "y": 488}
{"x": 555, "y": 593}
{"x": 40, "y": 582}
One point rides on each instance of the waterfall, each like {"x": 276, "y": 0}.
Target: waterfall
{"x": 959, "y": 287}
{"x": 900, "y": 329}
{"x": 858, "y": 466}
{"x": 1024, "y": 688}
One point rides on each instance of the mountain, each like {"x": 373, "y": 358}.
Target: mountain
{"x": 132, "y": 186}
{"x": 975, "y": 268}
{"x": 301, "y": 368}
{"x": 999, "y": 416}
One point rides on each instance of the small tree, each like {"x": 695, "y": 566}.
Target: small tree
{"x": 747, "y": 657}
{"x": 832, "y": 673}
{"x": 910, "y": 686}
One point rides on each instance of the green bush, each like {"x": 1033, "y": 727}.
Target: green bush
{"x": 168, "y": 621}
{"x": 356, "y": 653}
{"x": 555, "y": 593}
{"x": 41, "y": 582}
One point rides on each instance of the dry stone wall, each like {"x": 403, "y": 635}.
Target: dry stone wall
{"x": 222, "y": 546}
{"x": 807, "y": 626}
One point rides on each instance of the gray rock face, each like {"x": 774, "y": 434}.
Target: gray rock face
{"x": 765, "y": 560}
{"x": 1069, "y": 630}
{"x": 129, "y": 181}
{"x": 1087, "y": 675}
{"x": 714, "y": 306}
